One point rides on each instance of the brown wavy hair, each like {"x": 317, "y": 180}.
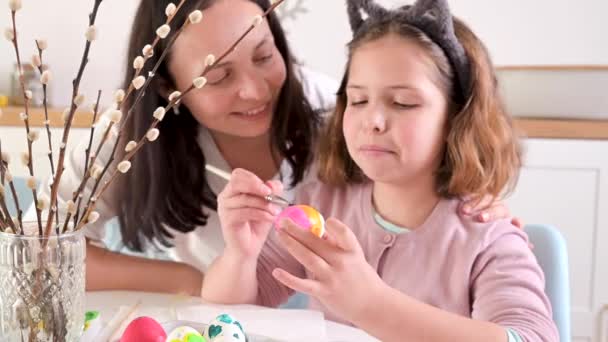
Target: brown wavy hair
{"x": 482, "y": 155}
{"x": 167, "y": 185}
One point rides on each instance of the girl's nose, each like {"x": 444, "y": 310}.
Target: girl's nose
{"x": 376, "y": 122}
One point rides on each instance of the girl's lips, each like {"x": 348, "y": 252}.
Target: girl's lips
{"x": 374, "y": 149}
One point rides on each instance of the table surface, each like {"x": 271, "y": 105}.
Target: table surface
{"x": 109, "y": 302}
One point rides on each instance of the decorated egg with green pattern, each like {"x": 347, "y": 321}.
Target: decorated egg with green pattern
{"x": 185, "y": 334}
{"x": 225, "y": 328}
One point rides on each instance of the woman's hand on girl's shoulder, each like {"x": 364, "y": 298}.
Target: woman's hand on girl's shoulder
{"x": 488, "y": 210}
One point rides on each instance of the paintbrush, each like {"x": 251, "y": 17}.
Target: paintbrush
{"x": 225, "y": 175}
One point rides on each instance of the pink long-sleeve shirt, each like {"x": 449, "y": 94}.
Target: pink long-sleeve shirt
{"x": 484, "y": 271}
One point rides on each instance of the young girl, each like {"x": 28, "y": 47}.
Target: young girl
{"x": 419, "y": 123}
{"x": 257, "y": 112}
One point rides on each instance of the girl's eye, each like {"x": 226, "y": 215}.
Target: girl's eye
{"x": 405, "y": 106}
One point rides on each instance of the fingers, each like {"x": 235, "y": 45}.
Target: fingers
{"x": 341, "y": 235}
{"x": 318, "y": 246}
{"x": 245, "y": 182}
{"x": 305, "y": 256}
{"x": 241, "y": 201}
{"x": 306, "y": 286}
{"x": 495, "y": 212}
{"x": 485, "y": 209}
{"x": 276, "y": 186}
{"x": 517, "y": 222}
{"x": 246, "y": 190}
{"x": 244, "y": 215}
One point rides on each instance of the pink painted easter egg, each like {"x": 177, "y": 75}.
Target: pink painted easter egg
{"x": 144, "y": 329}
{"x": 305, "y": 217}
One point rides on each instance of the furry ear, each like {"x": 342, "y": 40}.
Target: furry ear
{"x": 355, "y": 17}
{"x": 434, "y": 18}
{"x": 435, "y": 11}
{"x": 358, "y": 8}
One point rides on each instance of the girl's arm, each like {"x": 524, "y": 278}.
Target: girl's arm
{"x": 507, "y": 290}
{"x": 397, "y": 317}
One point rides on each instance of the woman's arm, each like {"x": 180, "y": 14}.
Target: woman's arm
{"x": 111, "y": 271}
{"x": 243, "y": 273}
{"x": 231, "y": 279}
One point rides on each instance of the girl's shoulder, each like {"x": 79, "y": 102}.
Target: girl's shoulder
{"x": 484, "y": 234}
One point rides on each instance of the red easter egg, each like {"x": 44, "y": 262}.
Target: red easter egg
{"x": 144, "y": 329}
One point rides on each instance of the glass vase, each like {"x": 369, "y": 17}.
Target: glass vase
{"x": 42, "y": 287}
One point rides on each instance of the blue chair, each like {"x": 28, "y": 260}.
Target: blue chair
{"x": 552, "y": 255}
{"x": 24, "y": 195}
{"x": 296, "y": 301}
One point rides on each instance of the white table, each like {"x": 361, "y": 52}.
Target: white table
{"x": 108, "y": 303}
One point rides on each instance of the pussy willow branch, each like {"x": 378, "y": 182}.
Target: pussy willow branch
{"x": 3, "y": 224}
{"x": 46, "y": 120}
{"x": 152, "y": 73}
{"x": 6, "y": 213}
{"x": 77, "y": 197}
{"x": 3, "y": 171}
{"x": 155, "y": 122}
{"x": 68, "y": 124}
{"x": 46, "y": 111}
{"x": 30, "y": 164}
{"x": 140, "y": 94}
{"x": 17, "y": 207}
{"x": 2, "y": 166}
{"x": 146, "y": 57}
{"x": 128, "y": 93}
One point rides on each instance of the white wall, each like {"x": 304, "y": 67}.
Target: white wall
{"x": 517, "y": 32}
{"x": 63, "y": 23}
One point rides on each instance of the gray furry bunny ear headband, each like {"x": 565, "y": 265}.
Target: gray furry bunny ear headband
{"x": 432, "y": 17}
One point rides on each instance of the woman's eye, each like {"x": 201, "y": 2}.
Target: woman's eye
{"x": 217, "y": 78}
{"x": 358, "y": 103}
{"x": 264, "y": 59}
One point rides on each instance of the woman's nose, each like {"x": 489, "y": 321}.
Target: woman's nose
{"x": 253, "y": 87}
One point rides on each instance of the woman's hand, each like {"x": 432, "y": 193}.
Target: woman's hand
{"x": 487, "y": 210}
{"x": 246, "y": 216}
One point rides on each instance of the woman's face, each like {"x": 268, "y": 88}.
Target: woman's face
{"x": 240, "y": 96}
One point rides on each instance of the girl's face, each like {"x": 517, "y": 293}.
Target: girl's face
{"x": 242, "y": 91}
{"x": 395, "y": 119}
